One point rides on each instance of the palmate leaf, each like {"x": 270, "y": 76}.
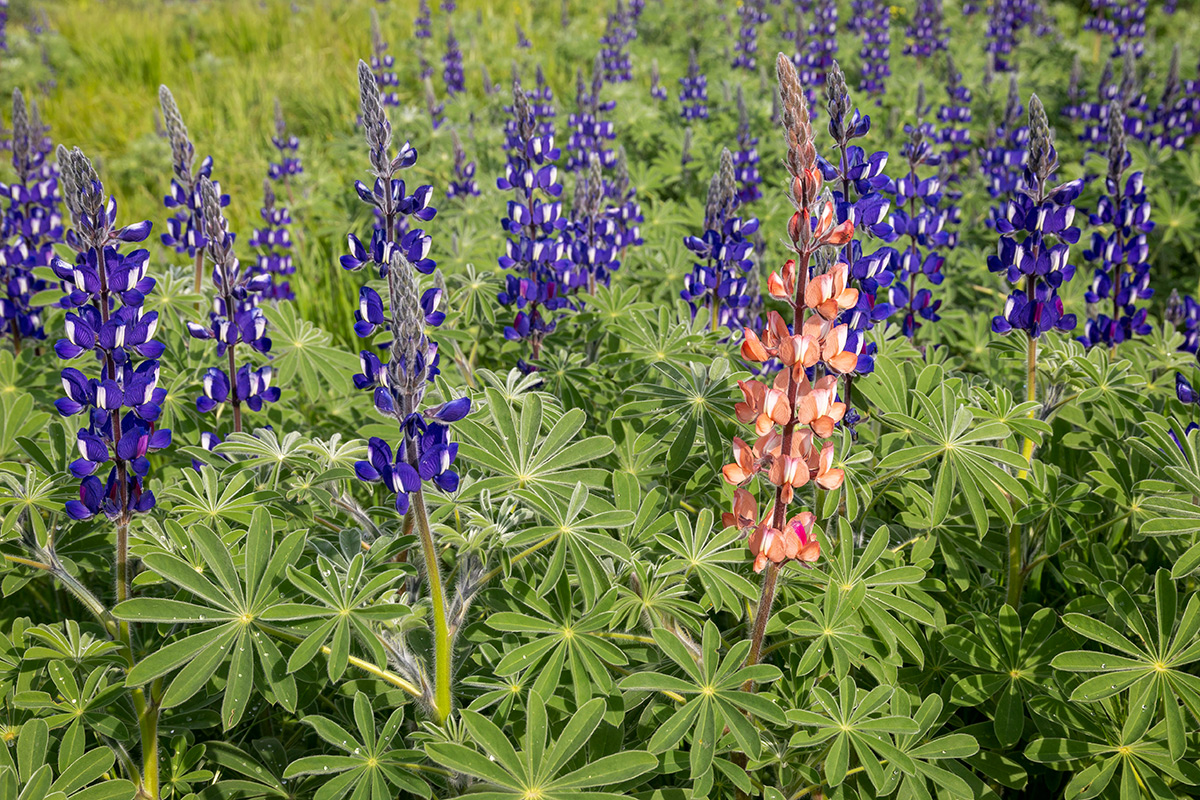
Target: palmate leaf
{"x": 967, "y": 467}
{"x": 690, "y": 402}
{"x": 1153, "y": 665}
{"x": 651, "y": 338}
{"x": 513, "y": 452}
{"x": 367, "y": 766}
{"x": 715, "y": 700}
{"x": 300, "y": 349}
{"x": 539, "y": 770}
{"x": 209, "y": 496}
{"x": 890, "y": 590}
{"x": 1171, "y": 507}
{"x": 699, "y": 552}
{"x": 240, "y": 601}
{"x": 1007, "y": 664}
{"x": 347, "y": 603}
{"x": 834, "y": 630}
{"x": 584, "y": 539}
{"x": 1101, "y": 749}
{"x": 937, "y": 759}
{"x": 853, "y": 725}
{"x": 561, "y": 636}
{"x": 79, "y": 775}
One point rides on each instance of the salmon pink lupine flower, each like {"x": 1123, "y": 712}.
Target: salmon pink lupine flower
{"x": 829, "y": 295}
{"x": 795, "y": 543}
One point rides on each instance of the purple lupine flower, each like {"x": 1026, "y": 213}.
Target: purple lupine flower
{"x": 657, "y": 90}
{"x": 614, "y": 59}
{"x": 522, "y": 40}
{"x": 1185, "y": 312}
{"x": 816, "y": 48}
{"x": 927, "y": 33}
{"x": 876, "y": 48}
{"x": 1004, "y": 22}
{"x": 590, "y": 239}
{"x": 955, "y": 116}
{"x": 1036, "y": 234}
{"x": 463, "y": 183}
{"x": 185, "y": 229}
{"x": 422, "y": 29}
{"x": 1003, "y": 156}
{"x": 437, "y": 111}
{"x": 1076, "y": 93}
{"x": 273, "y": 245}
{"x": 868, "y": 210}
{"x": 448, "y": 6}
{"x": 745, "y": 160}
{"x": 1169, "y": 123}
{"x": 589, "y": 130}
{"x": 624, "y": 208}
{"x": 235, "y": 318}
{"x": 383, "y": 63}
{"x": 452, "y": 63}
{"x": 717, "y": 285}
{"x": 751, "y": 14}
{"x": 535, "y": 254}
{"x": 288, "y": 146}
{"x": 107, "y": 319}
{"x": 1127, "y": 93}
{"x": 1123, "y": 269}
{"x": 32, "y": 224}
{"x": 693, "y": 91}
{"x": 398, "y": 387}
{"x": 919, "y": 217}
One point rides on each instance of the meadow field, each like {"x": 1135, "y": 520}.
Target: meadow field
{"x": 548, "y": 400}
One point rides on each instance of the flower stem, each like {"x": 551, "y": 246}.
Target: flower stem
{"x": 1016, "y": 567}
{"x": 441, "y": 628}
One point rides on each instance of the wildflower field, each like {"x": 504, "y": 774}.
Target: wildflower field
{"x": 638, "y": 399}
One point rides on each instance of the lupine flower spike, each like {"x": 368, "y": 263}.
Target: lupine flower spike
{"x": 32, "y": 225}
{"x": 107, "y": 320}
{"x": 1123, "y": 270}
{"x": 800, "y": 406}
{"x": 185, "y": 230}
{"x": 425, "y": 452}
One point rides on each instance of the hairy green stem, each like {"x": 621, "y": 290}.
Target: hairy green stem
{"x": 1016, "y": 555}
{"x": 441, "y": 628}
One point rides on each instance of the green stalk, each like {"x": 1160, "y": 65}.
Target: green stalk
{"x": 1016, "y": 567}
{"x": 437, "y": 597}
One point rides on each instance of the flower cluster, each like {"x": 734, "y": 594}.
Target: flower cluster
{"x": 724, "y": 253}
{"x": 383, "y": 63}
{"x": 795, "y": 415}
{"x": 535, "y": 254}
{"x": 522, "y": 40}
{"x": 185, "y": 228}
{"x": 106, "y": 318}
{"x": 425, "y": 452}
{"x": 1004, "y": 22}
{"x": 1170, "y": 123}
{"x": 751, "y": 14}
{"x": 927, "y": 33}
{"x": 623, "y": 207}
{"x": 1036, "y": 235}
{"x": 463, "y": 183}
{"x": 288, "y": 146}
{"x": 1123, "y": 270}
{"x": 422, "y": 29}
{"x": 816, "y": 47}
{"x": 31, "y": 225}
{"x": 452, "y": 66}
{"x": 1076, "y": 93}
{"x": 618, "y": 33}
{"x": 693, "y": 91}
{"x": 657, "y": 90}
{"x": 918, "y": 216}
{"x": 955, "y": 116}
{"x": 589, "y": 238}
{"x": 437, "y": 111}
{"x": 1185, "y": 311}
{"x": 235, "y": 319}
{"x": 876, "y": 51}
{"x": 273, "y": 243}
{"x": 745, "y": 160}
{"x": 859, "y": 200}
{"x": 1003, "y": 156}
{"x": 589, "y": 130}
